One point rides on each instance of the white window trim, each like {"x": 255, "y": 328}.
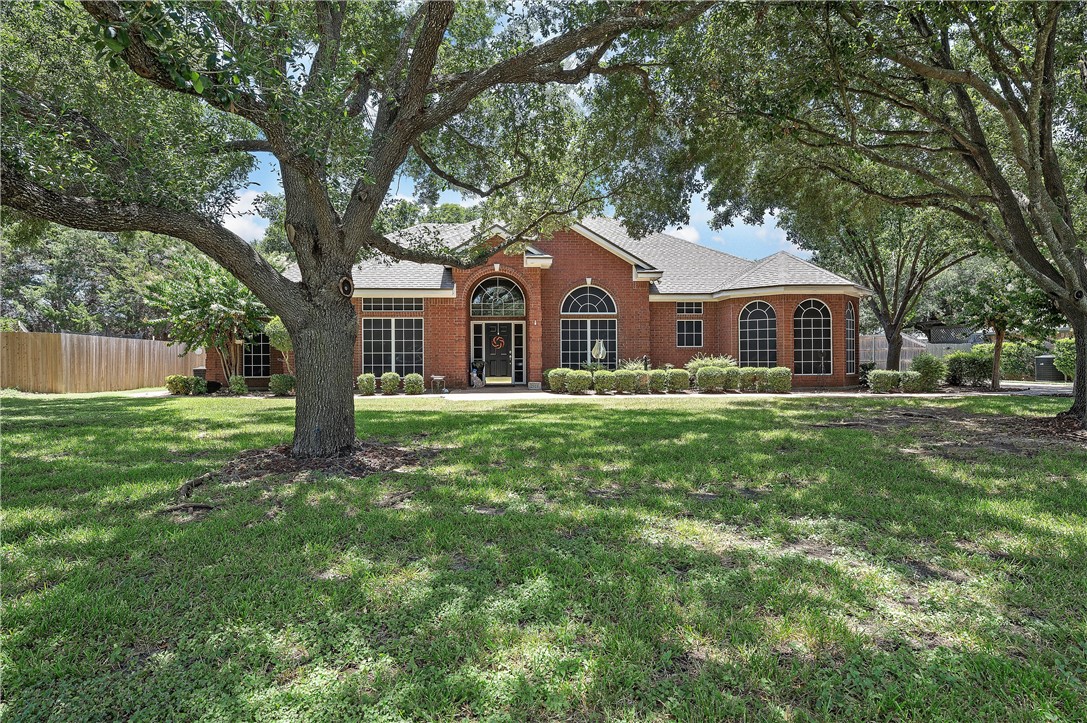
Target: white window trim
{"x": 829, "y": 311}
{"x": 524, "y": 297}
{"x": 849, "y": 338}
{"x": 364, "y": 299}
{"x": 392, "y": 352}
{"x": 701, "y": 334}
{"x": 700, "y": 312}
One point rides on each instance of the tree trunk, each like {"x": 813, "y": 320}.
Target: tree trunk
{"x": 894, "y": 349}
{"x": 1078, "y": 321}
{"x": 324, "y": 355}
{"x": 998, "y": 345}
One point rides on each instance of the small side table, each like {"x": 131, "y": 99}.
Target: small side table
{"x": 437, "y": 384}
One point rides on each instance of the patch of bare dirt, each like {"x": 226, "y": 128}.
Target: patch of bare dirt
{"x": 954, "y": 434}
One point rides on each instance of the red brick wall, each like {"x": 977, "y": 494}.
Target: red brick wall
{"x": 643, "y": 326}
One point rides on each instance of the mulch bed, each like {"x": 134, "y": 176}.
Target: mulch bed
{"x": 367, "y": 458}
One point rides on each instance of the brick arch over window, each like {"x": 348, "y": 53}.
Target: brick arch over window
{"x": 812, "y": 339}
{"x": 758, "y": 335}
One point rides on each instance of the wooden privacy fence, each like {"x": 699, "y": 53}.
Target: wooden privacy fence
{"x": 59, "y": 363}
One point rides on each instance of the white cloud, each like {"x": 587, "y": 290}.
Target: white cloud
{"x": 687, "y": 233}
{"x": 242, "y": 217}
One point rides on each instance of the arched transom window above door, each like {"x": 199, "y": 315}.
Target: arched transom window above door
{"x": 498, "y": 296}
{"x": 588, "y": 300}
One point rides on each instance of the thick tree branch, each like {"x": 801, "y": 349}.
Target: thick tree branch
{"x": 471, "y": 188}
{"x": 92, "y": 214}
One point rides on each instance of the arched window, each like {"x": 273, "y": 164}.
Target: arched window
{"x": 587, "y": 341}
{"x": 811, "y": 338}
{"x": 850, "y": 339}
{"x": 758, "y": 335}
{"x": 588, "y": 300}
{"x": 498, "y": 296}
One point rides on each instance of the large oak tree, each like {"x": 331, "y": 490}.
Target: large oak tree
{"x": 975, "y": 109}
{"x": 122, "y": 116}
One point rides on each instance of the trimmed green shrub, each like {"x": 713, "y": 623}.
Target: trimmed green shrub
{"x": 1016, "y": 359}
{"x": 700, "y": 361}
{"x": 236, "y": 384}
{"x": 641, "y": 382}
{"x": 578, "y": 381}
{"x": 882, "y": 381}
{"x": 625, "y": 380}
{"x": 367, "y": 384}
{"x": 753, "y": 379}
{"x": 731, "y": 381}
{"x": 199, "y": 386}
{"x": 658, "y": 380}
{"x": 556, "y": 379}
{"x": 604, "y": 381}
{"x": 865, "y": 368}
{"x": 911, "y": 382}
{"x": 968, "y": 367}
{"x": 390, "y": 383}
{"x": 179, "y": 384}
{"x": 932, "y": 370}
{"x": 1064, "y": 357}
{"x": 710, "y": 379}
{"x": 281, "y": 384}
{"x": 679, "y": 380}
{"x": 414, "y": 384}
{"x": 779, "y": 380}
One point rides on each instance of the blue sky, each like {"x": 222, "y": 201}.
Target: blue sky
{"x": 751, "y": 242}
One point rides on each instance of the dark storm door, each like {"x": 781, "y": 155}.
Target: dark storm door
{"x": 498, "y": 348}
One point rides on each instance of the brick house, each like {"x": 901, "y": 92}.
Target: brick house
{"x": 592, "y": 286}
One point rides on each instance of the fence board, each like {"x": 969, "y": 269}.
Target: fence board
{"x": 63, "y": 363}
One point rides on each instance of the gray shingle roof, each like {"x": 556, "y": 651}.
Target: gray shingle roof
{"x": 688, "y": 268}
{"x": 784, "y": 269}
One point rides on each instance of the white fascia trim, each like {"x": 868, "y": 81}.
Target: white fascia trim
{"x": 407, "y": 293}
{"x": 647, "y": 274}
{"x": 538, "y": 262}
{"x": 851, "y": 289}
{"x": 681, "y": 297}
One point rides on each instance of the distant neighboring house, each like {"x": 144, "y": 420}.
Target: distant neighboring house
{"x": 593, "y": 286}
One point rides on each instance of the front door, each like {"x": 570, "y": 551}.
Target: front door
{"x": 498, "y": 351}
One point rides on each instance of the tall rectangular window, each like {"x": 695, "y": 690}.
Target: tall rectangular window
{"x": 850, "y": 339}
{"x": 581, "y": 336}
{"x": 392, "y": 345}
{"x": 257, "y": 357}
{"x": 380, "y": 303}
{"x": 688, "y": 307}
{"x": 689, "y": 332}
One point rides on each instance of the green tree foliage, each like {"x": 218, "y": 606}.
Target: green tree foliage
{"x": 63, "y": 279}
{"x": 205, "y": 306}
{"x": 280, "y": 340}
{"x": 1005, "y": 301}
{"x": 122, "y": 116}
{"x": 973, "y": 109}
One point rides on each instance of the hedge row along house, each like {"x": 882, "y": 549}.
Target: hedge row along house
{"x": 591, "y": 287}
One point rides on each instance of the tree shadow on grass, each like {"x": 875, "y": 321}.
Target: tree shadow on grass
{"x": 549, "y": 563}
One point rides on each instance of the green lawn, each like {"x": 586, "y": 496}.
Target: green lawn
{"x": 693, "y": 559}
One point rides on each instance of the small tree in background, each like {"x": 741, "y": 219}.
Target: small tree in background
{"x": 1006, "y": 301}
{"x": 280, "y": 340}
{"x": 205, "y": 306}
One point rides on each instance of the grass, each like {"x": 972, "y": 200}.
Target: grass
{"x": 691, "y": 559}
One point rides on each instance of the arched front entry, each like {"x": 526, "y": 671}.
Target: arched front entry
{"x": 497, "y": 313}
